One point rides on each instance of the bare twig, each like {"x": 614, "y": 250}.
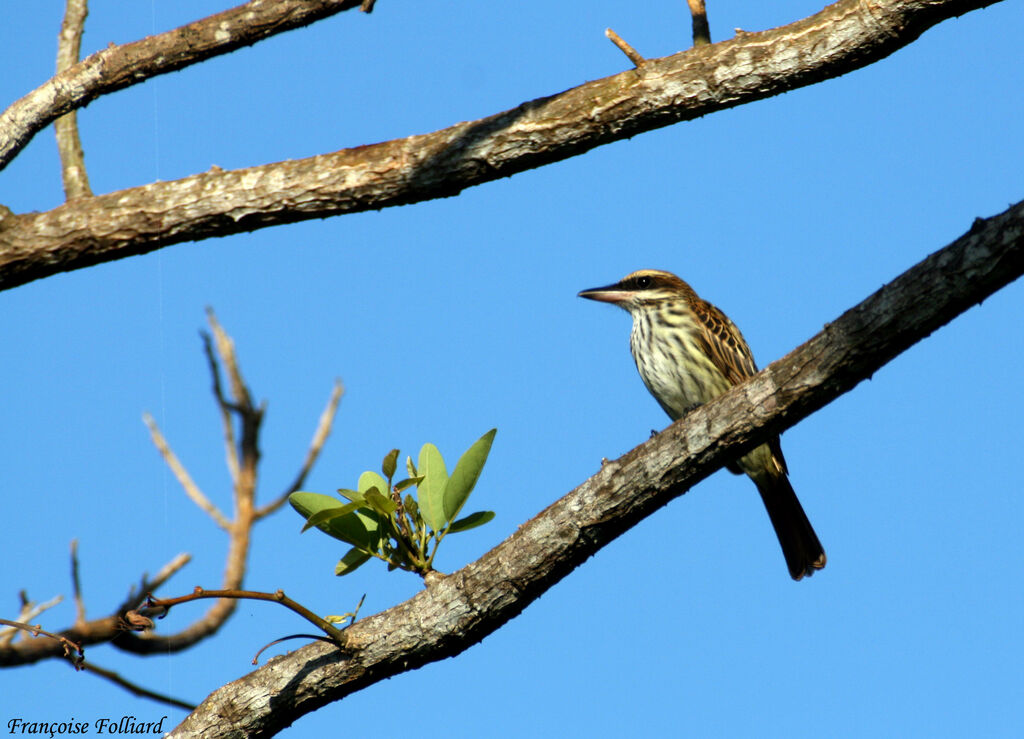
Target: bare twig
{"x": 629, "y": 51}
{"x": 29, "y": 611}
{"x": 69, "y": 145}
{"x": 83, "y": 632}
{"x": 147, "y": 586}
{"x": 246, "y": 455}
{"x": 191, "y": 489}
{"x": 136, "y": 689}
{"x": 701, "y": 32}
{"x": 76, "y": 585}
{"x": 119, "y": 627}
{"x": 72, "y": 651}
{"x": 323, "y": 430}
{"x": 230, "y": 450}
{"x": 276, "y": 597}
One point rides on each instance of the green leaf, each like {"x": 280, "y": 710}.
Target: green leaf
{"x": 369, "y": 480}
{"x": 411, "y": 467}
{"x": 466, "y": 473}
{"x": 379, "y": 502}
{"x": 354, "y": 495}
{"x": 471, "y": 521}
{"x": 326, "y": 515}
{"x": 403, "y": 484}
{"x": 352, "y": 528}
{"x": 350, "y": 562}
{"x": 389, "y": 464}
{"x": 431, "y": 490}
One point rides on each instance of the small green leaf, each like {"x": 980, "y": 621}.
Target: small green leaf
{"x": 328, "y": 514}
{"x": 471, "y": 521}
{"x": 369, "y": 480}
{"x": 352, "y": 528}
{"x": 389, "y": 464}
{"x": 411, "y": 467}
{"x": 403, "y": 484}
{"x": 466, "y": 473}
{"x": 431, "y": 490}
{"x": 350, "y": 562}
{"x": 379, "y": 502}
{"x": 354, "y": 495}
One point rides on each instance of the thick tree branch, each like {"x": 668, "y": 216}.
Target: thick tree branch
{"x": 459, "y": 610}
{"x": 845, "y": 36}
{"x": 117, "y": 67}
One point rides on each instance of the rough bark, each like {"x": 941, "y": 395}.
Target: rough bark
{"x": 117, "y": 67}
{"x": 845, "y": 36}
{"x": 459, "y": 610}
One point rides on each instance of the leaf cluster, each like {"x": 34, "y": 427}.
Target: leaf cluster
{"x": 384, "y": 519}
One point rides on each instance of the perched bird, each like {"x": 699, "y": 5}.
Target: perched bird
{"x": 688, "y": 352}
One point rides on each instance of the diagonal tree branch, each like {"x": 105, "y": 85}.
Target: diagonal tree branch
{"x": 117, "y": 67}
{"x": 843, "y": 37}
{"x": 459, "y": 610}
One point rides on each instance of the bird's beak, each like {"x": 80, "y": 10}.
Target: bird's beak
{"x": 607, "y": 294}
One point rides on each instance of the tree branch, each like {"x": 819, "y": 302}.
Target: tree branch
{"x": 841, "y": 38}
{"x": 117, "y": 67}
{"x": 243, "y": 459}
{"x": 459, "y": 610}
{"x": 192, "y": 490}
{"x": 323, "y": 430}
{"x": 69, "y": 145}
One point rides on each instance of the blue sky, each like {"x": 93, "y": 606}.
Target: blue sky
{"x": 447, "y": 318}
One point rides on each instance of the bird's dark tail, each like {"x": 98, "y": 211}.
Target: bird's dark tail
{"x": 799, "y": 543}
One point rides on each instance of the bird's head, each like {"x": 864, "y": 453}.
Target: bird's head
{"x": 645, "y": 288}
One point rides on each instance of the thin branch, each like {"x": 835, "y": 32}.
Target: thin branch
{"x": 239, "y": 530}
{"x": 226, "y": 350}
{"x": 69, "y": 145}
{"x": 117, "y": 67}
{"x": 633, "y": 55}
{"x": 191, "y": 489}
{"x": 147, "y": 586}
{"x": 276, "y": 597}
{"x": 230, "y": 450}
{"x": 71, "y": 651}
{"x": 76, "y": 585}
{"x": 457, "y": 611}
{"x": 82, "y": 633}
{"x": 685, "y": 86}
{"x": 136, "y": 689}
{"x": 323, "y": 430}
{"x": 29, "y": 611}
{"x": 118, "y": 627}
{"x": 701, "y": 32}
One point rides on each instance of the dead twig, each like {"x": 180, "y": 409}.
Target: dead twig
{"x": 323, "y": 430}
{"x": 69, "y": 145}
{"x": 191, "y": 489}
{"x": 629, "y": 51}
{"x": 136, "y": 689}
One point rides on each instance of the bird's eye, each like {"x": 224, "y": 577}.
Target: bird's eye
{"x": 643, "y": 282}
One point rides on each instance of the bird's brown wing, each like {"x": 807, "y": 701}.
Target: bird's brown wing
{"x": 724, "y": 343}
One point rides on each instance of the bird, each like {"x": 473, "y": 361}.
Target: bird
{"x": 688, "y": 352}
